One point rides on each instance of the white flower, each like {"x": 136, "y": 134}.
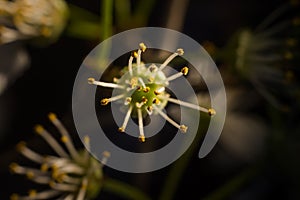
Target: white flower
{"x": 70, "y": 174}
{"x": 26, "y": 19}
{"x": 142, "y": 90}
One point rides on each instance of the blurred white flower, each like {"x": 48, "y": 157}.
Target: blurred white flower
{"x": 32, "y": 19}
{"x": 70, "y": 174}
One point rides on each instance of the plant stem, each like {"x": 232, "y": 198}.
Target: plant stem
{"x": 173, "y": 178}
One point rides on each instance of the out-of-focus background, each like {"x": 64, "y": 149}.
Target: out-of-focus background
{"x": 255, "y": 44}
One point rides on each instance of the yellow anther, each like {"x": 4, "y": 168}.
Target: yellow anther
{"x": 151, "y": 79}
{"x": 121, "y": 129}
{"x": 91, "y": 80}
{"x": 30, "y": 175}
{"x": 39, "y": 129}
{"x": 180, "y": 52}
{"x": 13, "y": 167}
{"x": 14, "y": 197}
{"x": 142, "y": 138}
{"x": 64, "y": 139}
{"x": 32, "y": 193}
{"x": 52, "y": 116}
{"x": 104, "y": 102}
{"x": 146, "y": 89}
{"x": 185, "y": 71}
{"x": 44, "y": 167}
{"x": 143, "y": 47}
{"x": 106, "y": 154}
{"x": 144, "y": 100}
{"x": 86, "y": 139}
{"x": 21, "y": 146}
{"x": 135, "y": 54}
{"x": 211, "y": 112}
{"x": 183, "y": 128}
{"x": 156, "y": 101}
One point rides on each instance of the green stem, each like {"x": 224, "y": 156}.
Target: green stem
{"x": 83, "y": 24}
{"x": 173, "y": 178}
{"x": 122, "y": 12}
{"x": 123, "y": 189}
{"x": 107, "y": 12}
{"x": 143, "y": 11}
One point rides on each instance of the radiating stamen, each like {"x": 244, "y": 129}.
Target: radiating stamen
{"x": 149, "y": 110}
{"x": 51, "y": 141}
{"x": 159, "y": 90}
{"x": 170, "y": 58}
{"x": 104, "y": 84}
{"x": 152, "y": 68}
{"x": 49, "y": 194}
{"x": 127, "y": 101}
{"x": 130, "y": 65}
{"x": 126, "y": 119}
{"x": 105, "y": 157}
{"x": 141, "y": 126}
{"x": 184, "y": 71}
{"x": 83, "y": 189}
{"x": 183, "y": 128}
{"x": 28, "y": 153}
{"x": 189, "y": 105}
{"x": 86, "y": 141}
{"x": 65, "y": 136}
{"x": 63, "y": 187}
{"x": 142, "y": 82}
{"x": 105, "y": 101}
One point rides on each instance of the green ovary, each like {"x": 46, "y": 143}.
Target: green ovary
{"x": 146, "y": 97}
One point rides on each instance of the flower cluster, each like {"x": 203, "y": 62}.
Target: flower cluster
{"x": 267, "y": 56}
{"x": 26, "y": 19}
{"x": 142, "y": 90}
{"x": 70, "y": 175}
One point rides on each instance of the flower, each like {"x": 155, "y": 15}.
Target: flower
{"x": 142, "y": 90}
{"x": 267, "y": 55}
{"x": 70, "y": 175}
{"x": 27, "y": 19}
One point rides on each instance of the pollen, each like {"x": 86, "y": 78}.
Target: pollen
{"x": 142, "y": 90}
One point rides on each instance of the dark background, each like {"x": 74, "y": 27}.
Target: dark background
{"x": 47, "y": 87}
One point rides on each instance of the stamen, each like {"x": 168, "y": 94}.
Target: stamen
{"x": 127, "y": 101}
{"x": 143, "y": 47}
{"x": 189, "y": 105}
{"x": 211, "y": 112}
{"x": 28, "y": 153}
{"x": 126, "y": 119}
{"x": 183, "y": 71}
{"x": 43, "y": 195}
{"x": 183, "y": 128}
{"x": 130, "y": 65}
{"x": 104, "y": 84}
{"x": 149, "y": 110}
{"x": 159, "y": 91}
{"x": 83, "y": 189}
{"x": 65, "y": 136}
{"x": 105, "y": 157}
{"x": 141, "y": 126}
{"x": 105, "y": 101}
{"x": 170, "y": 58}
{"x": 51, "y": 141}
{"x": 152, "y": 68}
{"x": 63, "y": 187}
{"x": 142, "y": 82}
